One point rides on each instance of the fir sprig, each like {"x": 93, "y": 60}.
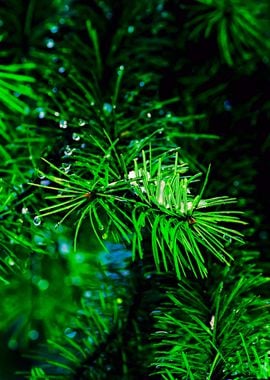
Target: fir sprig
{"x": 163, "y": 203}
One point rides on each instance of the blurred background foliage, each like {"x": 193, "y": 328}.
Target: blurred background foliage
{"x": 89, "y": 86}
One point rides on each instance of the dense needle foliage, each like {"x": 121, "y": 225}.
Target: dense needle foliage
{"x": 134, "y": 235}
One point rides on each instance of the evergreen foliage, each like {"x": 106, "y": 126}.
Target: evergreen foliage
{"x": 134, "y": 211}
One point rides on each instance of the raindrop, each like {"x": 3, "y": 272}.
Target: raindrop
{"x": 9, "y": 261}
{"x": 37, "y": 221}
{"x": 54, "y": 29}
{"x": 101, "y": 227}
{"x": 149, "y": 115}
{"x": 227, "y": 105}
{"x": 228, "y": 240}
{"x": 70, "y": 333}
{"x": 43, "y": 284}
{"x": 41, "y": 176}
{"x": 79, "y": 257}
{"x": 90, "y": 339}
{"x": 66, "y": 167}
{"x": 64, "y": 248}
{"x": 131, "y": 29}
{"x": 68, "y": 151}
{"x": 54, "y": 90}
{"x": 87, "y": 294}
{"x": 56, "y": 113}
{"x": 33, "y": 334}
{"x": 141, "y": 84}
{"x": 45, "y": 182}
{"x": 12, "y": 344}
{"x": 63, "y": 124}
{"x": 50, "y": 43}
{"x": 61, "y": 70}
{"x": 82, "y": 122}
{"x": 25, "y": 210}
{"x": 121, "y": 69}
{"x": 75, "y": 136}
{"x": 107, "y": 108}
{"x": 41, "y": 113}
{"x": 105, "y": 236}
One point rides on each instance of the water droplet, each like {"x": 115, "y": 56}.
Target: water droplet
{"x": 65, "y": 167}
{"x": 75, "y": 136}
{"x": 54, "y": 90}
{"x": 87, "y": 294}
{"x": 56, "y": 113}
{"x": 45, "y": 182}
{"x": 141, "y": 84}
{"x": 25, "y": 210}
{"x": 50, "y": 43}
{"x": 101, "y": 227}
{"x": 56, "y": 226}
{"x": 149, "y": 115}
{"x": 9, "y": 261}
{"x": 41, "y": 175}
{"x": 105, "y": 236}
{"x": 83, "y": 146}
{"x": 64, "y": 248}
{"x": 70, "y": 333}
{"x": 82, "y": 122}
{"x": 227, "y": 105}
{"x": 61, "y": 70}
{"x": 131, "y": 29}
{"x": 33, "y": 334}
{"x": 107, "y": 108}
{"x": 63, "y": 124}
{"x": 68, "y": 151}
{"x": 12, "y": 344}
{"x": 212, "y": 322}
{"x": 37, "y": 221}
{"x": 228, "y": 240}
{"x": 54, "y": 29}
{"x": 41, "y": 112}
{"x": 121, "y": 69}
{"x": 119, "y": 300}
{"x": 79, "y": 258}
{"x": 43, "y": 284}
